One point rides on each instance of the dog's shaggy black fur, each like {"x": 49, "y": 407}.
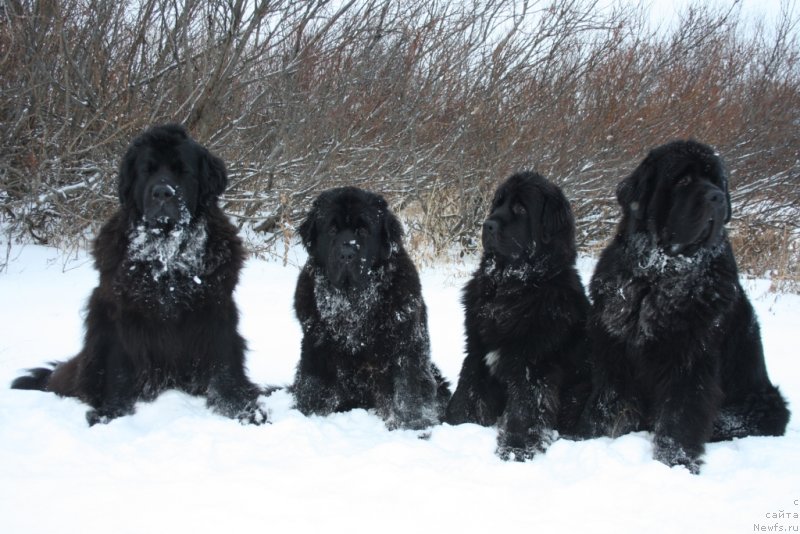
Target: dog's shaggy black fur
{"x": 525, "y": 308}
{"x": 163, "y": 314}
{"x": 675, "y": 342}
{"x": 359, "y": 302}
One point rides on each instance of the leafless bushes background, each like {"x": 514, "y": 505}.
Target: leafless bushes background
{"x": 430, "y": 103}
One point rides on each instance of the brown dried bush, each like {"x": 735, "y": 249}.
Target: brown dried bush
{"x": 429, "y": 103}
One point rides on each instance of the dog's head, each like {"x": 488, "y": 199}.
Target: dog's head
{"x": 348, "y": 233}
{"x": 679, "y": 196}
{"x": 529, "y": 218}
{"x": 167, "y": 179}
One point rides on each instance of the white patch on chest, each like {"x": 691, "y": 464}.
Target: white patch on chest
{"x": 180, "y": 251}
{"x": 165, "y": 271}
{"x": 492, "y": 360}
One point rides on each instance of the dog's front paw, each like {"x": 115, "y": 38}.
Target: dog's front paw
{"x": 667, "y": 451}
{"x": 253, "y": 416}
{"x": 517, "y": 454}
{"x": 103, "y": 416}
{"x": 522, "y": 447}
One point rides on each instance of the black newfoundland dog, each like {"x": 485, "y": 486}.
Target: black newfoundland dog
{"x": 676, "y": 345}
{"x": 525, "y": 368}
{"x": 359, "y": 303}
{"x": 163, "y": 315}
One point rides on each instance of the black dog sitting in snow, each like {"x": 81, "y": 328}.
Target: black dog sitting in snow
{"x": 359, "y": 302}
{"x": 676, "y": 345}
{"x": 525, "y": 310}
{"x": 163, "y": 315}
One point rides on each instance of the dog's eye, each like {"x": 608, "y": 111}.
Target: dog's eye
{"x": 684, "y": 181}
{"x": 332, "y": 230}
{"x": 518, "y": 209}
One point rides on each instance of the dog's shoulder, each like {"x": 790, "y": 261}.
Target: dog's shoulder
{"x": 110, "y": 245}
{"x": 225, "y": 253}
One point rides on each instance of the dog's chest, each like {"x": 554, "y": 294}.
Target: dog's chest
{"x": 500, "y": 314}
{"x": 166, "y": 296}
{"x": 492, "y": 317}
{"x": 348, "y": 320}
{"x": 498, "y": 320}
{"x": 165, "y": 274}
{"x": 641, "y": 309}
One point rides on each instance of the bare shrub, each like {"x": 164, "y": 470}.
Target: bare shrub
{"x": 429, "y": 103}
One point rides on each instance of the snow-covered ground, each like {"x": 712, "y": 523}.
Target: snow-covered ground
{"x": 176, "y": 467}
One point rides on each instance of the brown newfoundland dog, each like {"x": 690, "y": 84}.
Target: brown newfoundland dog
{"x": 675, "y": 343}
{"x": 163, "y": 315}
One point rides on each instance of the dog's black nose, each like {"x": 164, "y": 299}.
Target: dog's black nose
{"x": 162, "y": 192}
{"x": 490, "y": 226}
{"x": 347, "y": 253}
{"x": 714, "y": 196}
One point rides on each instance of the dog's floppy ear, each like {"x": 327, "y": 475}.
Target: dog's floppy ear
{"x": 391, "y": 229}
{"x": 720, "y": 172}
{"x": 633, "y": 193}
{"x": 727, "y": 195}
{"x": 127, "y": 177}
{"x": 308, "y": 228}
{"x": 556, "y": 215}
{"x": 213, "y": 176}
